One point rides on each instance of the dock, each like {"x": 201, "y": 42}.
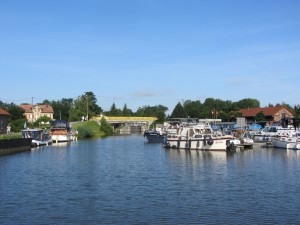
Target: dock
{"x": 244, "y": 146}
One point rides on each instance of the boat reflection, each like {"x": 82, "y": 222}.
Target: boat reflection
{"x": 195, "y": 156}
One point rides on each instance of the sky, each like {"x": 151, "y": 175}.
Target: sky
{"x": 150, "y": 52}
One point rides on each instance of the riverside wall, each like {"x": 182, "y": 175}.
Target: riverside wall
{"x": 16, "y": 145}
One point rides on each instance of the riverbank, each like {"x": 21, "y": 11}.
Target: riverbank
{"x": 14, "y": 145}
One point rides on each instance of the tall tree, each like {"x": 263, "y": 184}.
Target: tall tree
{"x": 126, "y": 111}
{"x": 114, "y": 111}
{"x": 248, "y": 103}
{"x": 193, "y": 108}
{"x": 178, "y": 111}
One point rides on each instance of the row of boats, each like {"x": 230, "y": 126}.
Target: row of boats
{"x": 201, "y": 136}
{"x": 60, "y": 131}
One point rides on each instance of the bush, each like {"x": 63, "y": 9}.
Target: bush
{"x": 85, "y": 132}
{"x": 88, "y": 129}
{"x": 106, "y": 127}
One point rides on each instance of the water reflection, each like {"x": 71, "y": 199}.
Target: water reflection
{"x": 195, "y": 156}
{"x": 122, "y": 180}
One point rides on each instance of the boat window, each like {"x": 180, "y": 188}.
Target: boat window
{"x": 198, "y": 136}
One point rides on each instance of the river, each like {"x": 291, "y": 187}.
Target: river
{"x": 125, "y": 180}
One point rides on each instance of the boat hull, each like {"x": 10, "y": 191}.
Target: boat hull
{"x": 154, "y": 137}
{"x": 62, "y": 138}
{"x": 36, "y": 143}
{"x": 285, "y": 144}
{"x": 200, "y": 144}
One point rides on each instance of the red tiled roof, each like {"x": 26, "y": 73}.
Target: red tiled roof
{"x": 267, "y": 111}
{"x": 3, "y": 112}
{"x": 27, "y": 108}
{"x": 45, "y": 108}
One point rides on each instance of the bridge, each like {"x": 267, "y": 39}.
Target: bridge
{"x": 128, "y": 124}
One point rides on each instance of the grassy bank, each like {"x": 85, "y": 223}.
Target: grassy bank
{"x": 10, "y": 136}
{"x": 88, "y": 129}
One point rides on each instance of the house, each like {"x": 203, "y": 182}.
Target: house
{"x": 272, "y": 114}
{"x": 34, "y": 112}
{"x": 3, "y": 120}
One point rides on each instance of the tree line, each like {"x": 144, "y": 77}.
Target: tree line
{"x": 85, "y": 107}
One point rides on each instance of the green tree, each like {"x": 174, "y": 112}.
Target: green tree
{"x": 260, "y": 116}
{"x": 126, "y": 111}
{"x": 114, "y": 111}
{"x": 105, "y": 127}
{"x": 297, "y": 110}
{"x": 248, "y": 103}
{"x": 178, "y": 111}
{"x": 17, "y": 118}
{"x": 223, "y": 116}
{"x": 193, "y": 108}
{"x": 61, "y": 108}
{"x": 158, "y": 111}
{"x": 84, "y": 106}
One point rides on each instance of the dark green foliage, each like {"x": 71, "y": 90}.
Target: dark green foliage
{"x": 87, "y": 129}
{"x": 61, "y": 108}
{"x": 260, "y": 116}
{"x": 179, "y": 112}
{"x": 17, "y": 125}
{"x": 248, "y": 103}
{"x": 105, "y": 127}
{"x": 158, "y": 111}
{"x": 114, "y": 111}
{"x": 85, "y": 132}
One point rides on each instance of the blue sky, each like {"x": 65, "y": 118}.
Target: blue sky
{"x": 150, "y": 52}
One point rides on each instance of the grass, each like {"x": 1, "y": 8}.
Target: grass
{"x": 88, "y": 129}
{"x": 10, "y": 136}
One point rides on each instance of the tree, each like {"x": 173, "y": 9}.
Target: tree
{"x": 105, "y": 127}
{"x": 223, "y": 116}
{"x": 193, "y": 108}
{"x": 260, "y": 116}
{"x": 126, "y": 111}
{"x": 248, "y": 103}
{"x": 61, "y": 108}
{"x": 114, "y": 111}
{"x": 43, "y": 120}
{"x": 17, "y": 117}
{"x": 178, "y": 111}
{"x": 158, "y": 111}
{"x": 84, "y": 106}
{"x": 297, "y": 110}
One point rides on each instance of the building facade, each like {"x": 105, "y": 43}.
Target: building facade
{"x": 272, "y": 114}
{"x": 34, "y": 112}
{"x": 4, "y": 115}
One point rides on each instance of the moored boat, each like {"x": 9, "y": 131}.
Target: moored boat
{"x": 269, "y": 133}
{"x": 290, "y": 142}
{"x": 61, "y": 131}
{"x": 39, "y": 137}
{"x": 197, "y": 137}
{"x": 155, "y": 135}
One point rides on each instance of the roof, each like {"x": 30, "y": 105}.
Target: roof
{"x": 267, "y": 111}
{"x": 27, "y": 108}
{"x": 44, "y": 108}
{"x": 3, "y": 112}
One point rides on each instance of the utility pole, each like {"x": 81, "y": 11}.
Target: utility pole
{"x": 32, "y": 112}
{"x": 87, "y": 107}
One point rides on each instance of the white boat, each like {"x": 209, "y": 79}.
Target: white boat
{"x": 271, "y": 132}
{"x": 197, "y": 137}
{"x": 61, "y": 131}
{"x": 290, "y": 142}
{"x": 39, "y": 137}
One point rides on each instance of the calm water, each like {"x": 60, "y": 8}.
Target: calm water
{"x": 124, "y": 180}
